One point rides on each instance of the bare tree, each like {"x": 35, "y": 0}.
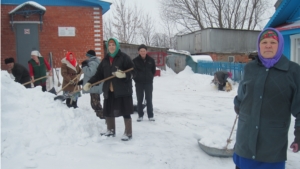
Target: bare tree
{"x": 108, "y": 29}
{"x": 160, "y": 40}
{"x": 127, "y": 22}
{"x": 147, "y": 30}
{"x": 199, "y": 14}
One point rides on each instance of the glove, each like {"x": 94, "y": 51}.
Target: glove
{"x": 80, "y": 82}
{"x": 119, "y": 74}
{"x": 87, "y": 86}
{"x": 72, "y": 82}
{"x": 237, "y": 110}
{"x": 84, "y": 63}
{"x": 296, "y": 144}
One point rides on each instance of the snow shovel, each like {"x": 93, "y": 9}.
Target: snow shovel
{"x": 103, "y": 80}
{"x": 217, "y": 152}
{"x": 63, "y": 97}
{"x": 35, "y": 80}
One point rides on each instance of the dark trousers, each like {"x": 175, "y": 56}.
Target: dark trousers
{"x": 96, "y": 101}
{"x": 43, "y": 87}
{"x": 236, "y": 167}
{"x": 140, "y": 90}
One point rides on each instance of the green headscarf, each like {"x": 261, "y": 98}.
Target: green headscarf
{"x": 117, "y": 47}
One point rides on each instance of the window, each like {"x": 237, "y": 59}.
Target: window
{"x": 295, "y": 48}
{"x": 230, "y": 58}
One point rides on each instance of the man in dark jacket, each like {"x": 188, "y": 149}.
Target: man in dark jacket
{"x": 20, "y": 73}
{"x": 144, "y": 68}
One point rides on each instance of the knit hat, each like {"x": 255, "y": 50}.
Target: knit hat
{"x": 36, "y": 53}
{"x": 9, "y": 60}
{"x": 142, "y": 46}
{"x": 230, "y": 75}
{"x": 117, "y": 47}
{"x": 268, "y": 34}
{"x": 90, "y": 53}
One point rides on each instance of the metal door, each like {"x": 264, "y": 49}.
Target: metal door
{"x": 27, "y": 37}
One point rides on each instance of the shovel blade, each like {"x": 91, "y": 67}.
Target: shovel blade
{"x": 60, "y": 97}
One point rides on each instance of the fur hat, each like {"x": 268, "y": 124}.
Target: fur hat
{"x": 142, "y": 46}
{"x": 9, "y": 60}
{"x": 90, "y": 53}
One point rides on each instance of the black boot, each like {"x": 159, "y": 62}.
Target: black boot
{"x": 68, "y": 102}
{"x": 74, "y": 103}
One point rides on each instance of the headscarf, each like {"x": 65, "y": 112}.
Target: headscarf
{"x": 117, "y": 47}
{"x": 73, "y": 62}
{"x": 269, "y": 33}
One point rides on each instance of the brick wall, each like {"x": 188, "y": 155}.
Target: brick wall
{"x": 239, "y": 58}
{"x": 86, "y": 20}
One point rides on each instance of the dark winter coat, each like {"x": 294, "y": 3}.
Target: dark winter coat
{"x": 221, "y": 76}
{"x": 20, "y": 73}
{"x": 122, "y": 87}
{"x": 266, "y": 99}
{"x": 69, "y": 72}
{"x": 144, "y": 69}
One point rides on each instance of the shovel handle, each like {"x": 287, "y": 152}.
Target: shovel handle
{"x": 35, "y": 80}
{"x": 69, "y": 83}
{"x": 103, "y": 80}
{"x": 228, "y": 140}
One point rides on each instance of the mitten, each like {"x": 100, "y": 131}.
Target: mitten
{"x": 119, "y": 74}
{"x": 80, "y": 82}
{"x": 84, "y": 63}
{"x": 237, "y": 110}
{"x": 296, "y": 144}
{"x": 72, "y": 82}
{"x": 87, "y": 86}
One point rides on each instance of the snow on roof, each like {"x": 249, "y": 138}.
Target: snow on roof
{"x": 179, "y": 51}
{"x": 294, "y": 25}
{"x": 32, "y": 3}
{"x": 201, "y": 57}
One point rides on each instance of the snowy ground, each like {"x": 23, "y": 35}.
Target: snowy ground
{"x": 37, "y": 132}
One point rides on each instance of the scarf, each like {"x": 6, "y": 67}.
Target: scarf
{"x": 73, "y": 62}
{"x": 271, "y": 61}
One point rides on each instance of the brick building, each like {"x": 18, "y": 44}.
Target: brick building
{"x": 52, "y": 27}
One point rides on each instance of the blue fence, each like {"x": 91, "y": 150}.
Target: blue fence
{"x": 209, "y": 68}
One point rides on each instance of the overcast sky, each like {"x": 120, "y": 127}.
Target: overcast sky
{"x": 152, "y": 7}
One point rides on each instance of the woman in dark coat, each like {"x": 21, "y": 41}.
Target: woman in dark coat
{"x": 267, "y": 97}
{"x": 117, "y": 91}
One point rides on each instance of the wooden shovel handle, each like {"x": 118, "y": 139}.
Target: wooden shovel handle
{"x": 35, "y": 80}
{"x": 69, "y": 83}
{"x": 103, "y": 80}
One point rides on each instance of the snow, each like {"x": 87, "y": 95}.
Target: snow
{"x": 179, "y": 51}
{"x": 32, "y": 3}
{"x": 38, "y": 132}
{"x": 196, "y": 58}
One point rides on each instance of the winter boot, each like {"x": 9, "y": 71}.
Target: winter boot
{"x": 151, "y": 119}
{"x": 139, "y": 119}
{"x": 128, "y": 130}
{"x": 68, "y": 102}
{"x": 74, "y": 104}
{"x": 111, "y": 128}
